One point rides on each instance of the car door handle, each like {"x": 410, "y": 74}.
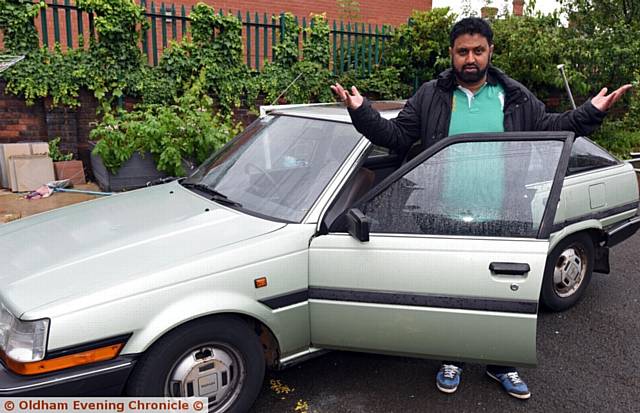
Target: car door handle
{"x": 509, "y": 268}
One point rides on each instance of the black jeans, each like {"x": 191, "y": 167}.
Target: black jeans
{"x": 491, "y": 368}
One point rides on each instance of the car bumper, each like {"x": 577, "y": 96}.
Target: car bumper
{"x": 102, "y": 379}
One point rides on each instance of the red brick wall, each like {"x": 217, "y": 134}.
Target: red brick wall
{"x": 371, "y": 11}
{"x": 19, "y": 122}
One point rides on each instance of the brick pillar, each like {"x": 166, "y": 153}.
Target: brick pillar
{"x": 518, "y": 7}
{"x": 86, "y": 117}
{"x": 62, "y": 123}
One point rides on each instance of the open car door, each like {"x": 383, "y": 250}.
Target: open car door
{"x": 458, "y": 240}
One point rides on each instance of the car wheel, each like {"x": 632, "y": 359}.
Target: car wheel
{"x": 567, "y": 272}
{"x": 218, "y": 358}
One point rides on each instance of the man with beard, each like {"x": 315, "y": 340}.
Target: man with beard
{"x": 472, "y": 96}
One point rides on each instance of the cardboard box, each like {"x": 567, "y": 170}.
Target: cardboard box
{"x": 73, "y": 170}
{"x": 7, "y": 150}
{"x": 29, "y": 172}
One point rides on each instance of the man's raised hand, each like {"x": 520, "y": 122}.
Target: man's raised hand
{"x": 603, "y": 102}
{"x": 353, "y": 100}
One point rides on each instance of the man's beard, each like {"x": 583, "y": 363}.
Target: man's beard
{"x": 470, "y": 77}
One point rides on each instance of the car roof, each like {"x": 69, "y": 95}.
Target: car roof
{"x": 332, "y": 111}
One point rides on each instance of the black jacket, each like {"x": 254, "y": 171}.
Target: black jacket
{"x": 427, "y": 114}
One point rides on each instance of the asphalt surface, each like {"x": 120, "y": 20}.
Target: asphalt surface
{"x": 588, "y": 361}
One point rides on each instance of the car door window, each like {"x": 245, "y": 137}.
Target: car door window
{"x": 496, "y": 189}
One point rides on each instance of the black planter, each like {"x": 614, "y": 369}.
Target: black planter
{"x": 134, "y": 173}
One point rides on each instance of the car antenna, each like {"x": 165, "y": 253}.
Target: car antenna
{"x": 285, "y": 91}
{"x": 7, "y": 61}
{"x": 566, "y": 85}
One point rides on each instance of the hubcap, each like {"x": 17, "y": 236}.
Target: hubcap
{"x": 213, "y": 371}
{"x": 569, "y": 271}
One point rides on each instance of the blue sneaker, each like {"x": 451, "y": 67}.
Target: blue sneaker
{"x": 448, "y": 378}
{"x": 512, "y": 383}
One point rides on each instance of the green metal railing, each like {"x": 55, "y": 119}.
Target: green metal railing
{"x": 354, "y": 46}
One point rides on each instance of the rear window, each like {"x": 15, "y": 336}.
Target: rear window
{"x": 587, "y": 156}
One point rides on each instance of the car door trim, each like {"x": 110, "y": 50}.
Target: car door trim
{"x": 423, "y": 300}
{"x": 286, "y": 299}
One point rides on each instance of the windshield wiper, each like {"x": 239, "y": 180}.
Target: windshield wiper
{"x": 215, "y": 195}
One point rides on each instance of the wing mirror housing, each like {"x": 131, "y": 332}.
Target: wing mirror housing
{"x": 358, "y": 224}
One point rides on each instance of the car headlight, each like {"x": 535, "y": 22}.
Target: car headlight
{"x": 22, "y": 341}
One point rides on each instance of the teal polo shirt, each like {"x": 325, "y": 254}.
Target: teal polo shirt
{"x": 473, "y": 178}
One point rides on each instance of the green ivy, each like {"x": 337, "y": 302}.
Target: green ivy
{"x": 316, "y": 46}
{"x": 217, "y": 46}
{"x": 299, "y": 81}
{"x": 115, "y": 62}
{"x": 286, "y": 52}
{"x": 16, "y": 21}
{"x": 45, "y": 73}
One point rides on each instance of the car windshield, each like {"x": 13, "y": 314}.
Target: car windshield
{"x": 277, "y": 167}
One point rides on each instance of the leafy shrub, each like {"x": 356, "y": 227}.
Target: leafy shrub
{"x": 383, "y": 83}
{"x": 420, "y": 49}
{"x": 55, "y": 153}
{"x": 184, "y": 131}
{"x": 529, "y": 48}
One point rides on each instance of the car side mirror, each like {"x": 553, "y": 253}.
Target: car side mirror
{"x": 358, "y": 224}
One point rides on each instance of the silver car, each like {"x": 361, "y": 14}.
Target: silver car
{"x": 300, "y": 236}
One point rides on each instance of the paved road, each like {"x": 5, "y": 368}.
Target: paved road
{"x": 589, "y": 361}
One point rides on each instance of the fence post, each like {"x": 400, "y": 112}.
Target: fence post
{"x": 349, "y": 44}
{"x": 92, "y": 28}
{"x": 248, "y": 25}
{"x": 384, "y": 28}
{"x": 341, "y": 46}
{"x": 163, "y": 20}
{"x": 174, "y": 22}
{"x": 80, "y": 28}
{"x": 370, "y": 62}
{"x": 257, "y": 20}
{"x": 67, "y": 21}
{"x": 265, "y": 37}
{"x": 183, "y": 21}
{"x": 43, "y": 23}
{"x": 282, "y": 27}
{"x": 356, "y": 51}
{"x": 377, "y": 46}
{"x": 334, "y": 51}
{"x": 273, "y": 35}
{"x": 304, "y": 31}
{"x": 56, "y": 23}
{"x": 143, "y": 35}
{"x": 154, "y": 35}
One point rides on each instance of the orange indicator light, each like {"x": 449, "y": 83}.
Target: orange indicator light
{"x": 63, "y": 362}
{"x": 260, "y": 282}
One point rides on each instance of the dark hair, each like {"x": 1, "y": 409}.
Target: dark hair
{"x": 471, "y": 25}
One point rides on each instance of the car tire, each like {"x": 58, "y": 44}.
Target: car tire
{"x": 567, "y": 272}
{"x": 218, "y": 358}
